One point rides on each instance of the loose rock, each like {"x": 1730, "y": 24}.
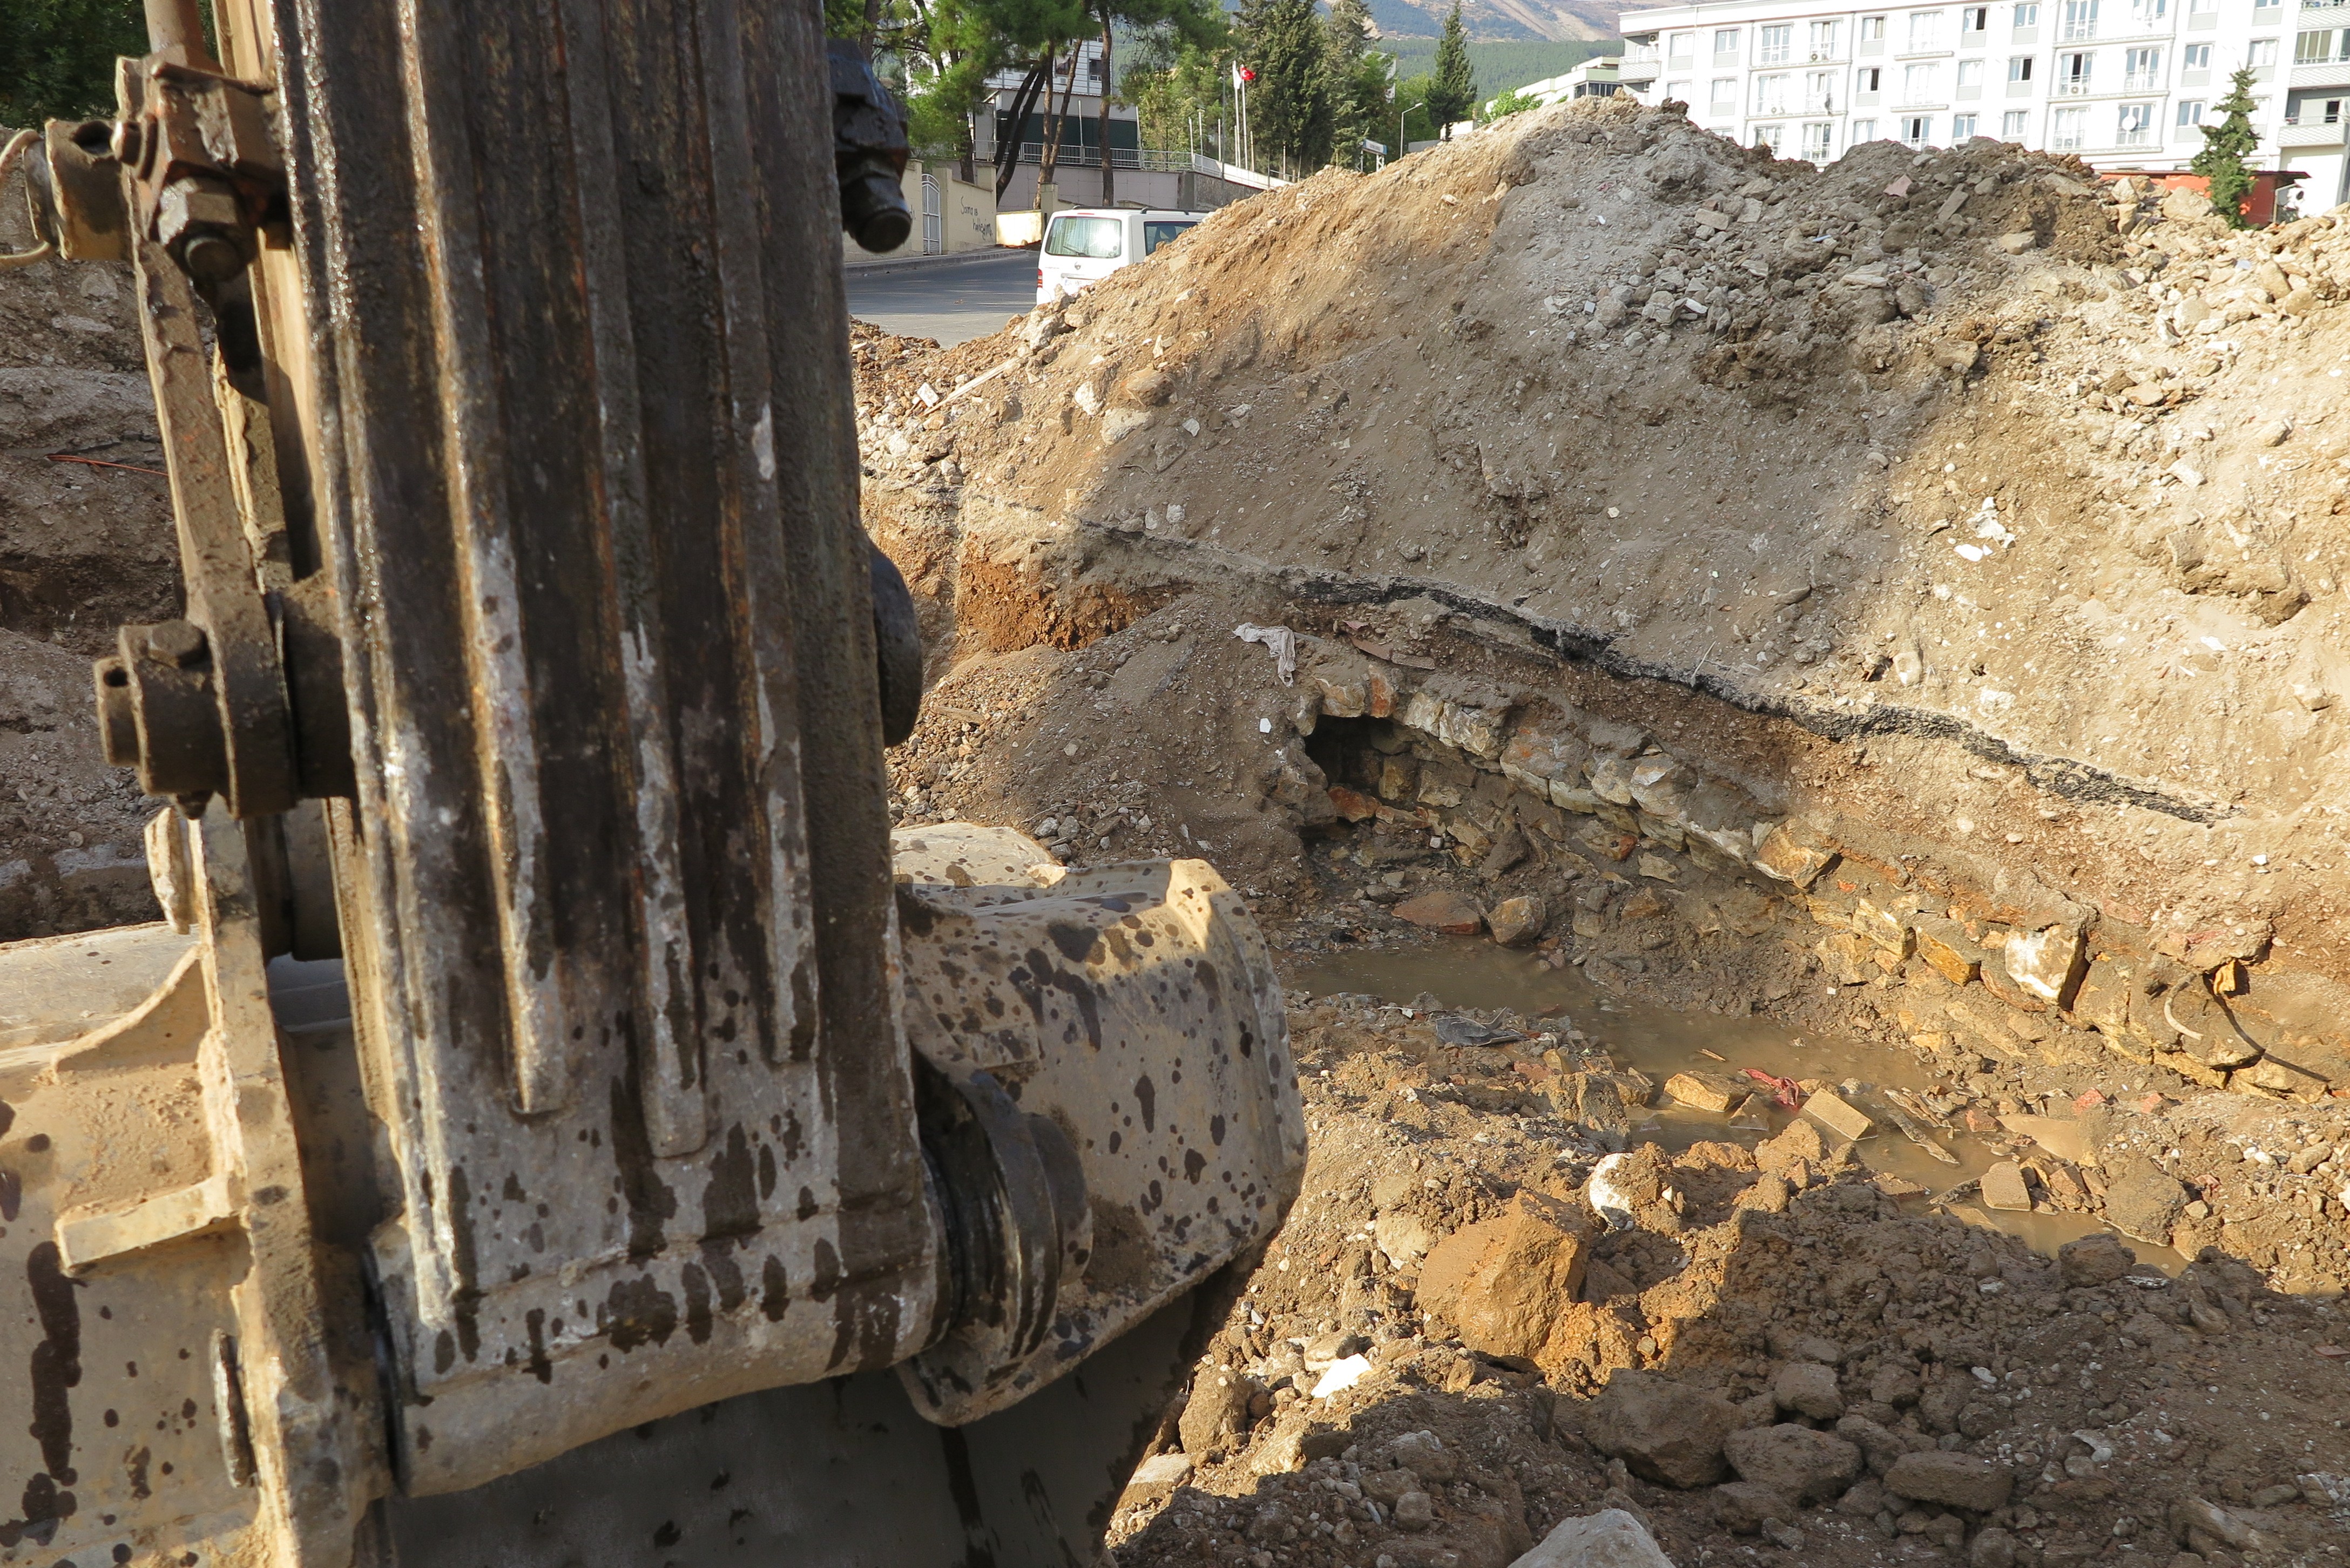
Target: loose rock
{"x": 1664, "y": 1431}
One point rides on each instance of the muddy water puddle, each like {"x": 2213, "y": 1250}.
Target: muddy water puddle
{"x": 1661, "y": 1043}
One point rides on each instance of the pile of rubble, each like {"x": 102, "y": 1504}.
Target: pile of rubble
{"x": 1478, "y": 1323}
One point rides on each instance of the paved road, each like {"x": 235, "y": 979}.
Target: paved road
{"x": 950, "y": 301}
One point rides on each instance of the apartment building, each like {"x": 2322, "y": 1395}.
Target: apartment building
{"x": 2125, "y": 84}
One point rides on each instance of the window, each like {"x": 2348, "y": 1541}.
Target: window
{"x": 2261, "y": 53}
{"x": 1826, "y": 41}
{"x": 1925, "y": 31}
{"x": 2066, "y": 128}
{"x": 2190, "y": 111}
{"x": 1973, "y": 22}
{"x": 1971, "y": 73}
{"x": 1769, "y": 136}
{"x": 1819, "y": 92}
{"x": 1683, "y": 46}
{"x": 2196, "y": 56}
{"x": 1962, "y": 128}
{"x": 1870, "y": 78}
{"x": 1096, "y": 239}
{"x": 2072, "y": 73}
{"x": 1819, "y": 141}
{"x": 2134, "y": 125}
{"x": 2080, "y": 19}
{"x": 1920, "y": 83}
{"x": 2019, "y": 69}
{"x": 2014, "y": 125}
{"x": 2321, "y": 48}
{"x": 2146, "y": 14}
{"x": 2141, "y": 71}
{"x": 1917, "y": 130}
{"x": 1677, "y": 92}
{"x": 1771, "y": 93}
{"x": 2027, "y": 16}
{"x": 1772, "y": 44}
{"x": 1725, "y": 92}
{"x": 1725, "y": 41}
{"x": 1157, "y": 232}
{"x": 2268, "y": 5}
{"x": 1872, "y": 29}
{"x": 1863, "y": 131}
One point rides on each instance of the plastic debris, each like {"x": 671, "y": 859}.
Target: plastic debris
{"x": 1280, "y": 640}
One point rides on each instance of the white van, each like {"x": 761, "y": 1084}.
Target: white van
{"x": 1083, "y": 244}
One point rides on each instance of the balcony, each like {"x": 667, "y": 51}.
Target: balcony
{"x": 2081, "y": 89}
{"x": 2311, "y": 132}
{"x": 2320, "y": 73}
{"x": 2142, "y": 81}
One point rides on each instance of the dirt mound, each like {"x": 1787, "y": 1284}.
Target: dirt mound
{"x": 1983, "y": 506}
{"x": 1450, "y": 1349}
{"x": 1819, "y": 442}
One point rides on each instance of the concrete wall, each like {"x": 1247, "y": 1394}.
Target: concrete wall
{"x": 1081, "y": 187}
{"x": 966, "y": 213}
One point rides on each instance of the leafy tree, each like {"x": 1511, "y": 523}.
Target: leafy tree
{"x": 1197, "y": 24}
{"x": 56, "y": 56}
{"x": 951, "y": 47}
{"x": 1290, "y": 103}
{"x": 1170, "y": 83}
{"x": 1453, "y": 92}
{"x": 2225, "y": 145}
{"x": 1362, "y": 92}
{"x": 1509, "y": 103}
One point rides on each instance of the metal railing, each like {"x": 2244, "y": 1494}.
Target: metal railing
{"x": 1144, "y": 160}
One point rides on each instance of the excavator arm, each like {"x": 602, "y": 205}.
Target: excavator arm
{"x": 555, "y": 1123}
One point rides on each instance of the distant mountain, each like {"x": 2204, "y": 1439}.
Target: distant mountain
{"x": 1499, "y": 63}
{"x": 1558, "y": 19}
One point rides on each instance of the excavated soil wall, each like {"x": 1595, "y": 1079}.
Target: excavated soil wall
{"x": 1947, "y": 538}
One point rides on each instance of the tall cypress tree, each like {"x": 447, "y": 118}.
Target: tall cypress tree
{"x": 1453, "y": 92}
{"x": 1290, "y": 102}
{"x": 1359, "y": 88}
{"x": 2222, "y": 161}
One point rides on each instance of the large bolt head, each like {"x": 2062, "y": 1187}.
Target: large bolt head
{"x": 211, "y": 257}
{"x": 178, "y": 643}
{"x": 199, "y": 222}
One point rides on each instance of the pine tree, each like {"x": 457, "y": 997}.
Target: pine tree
{"x": 2225, "y": 145}
{"x": 1455, "y": 91}
{"x": 1290, "y": 102}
